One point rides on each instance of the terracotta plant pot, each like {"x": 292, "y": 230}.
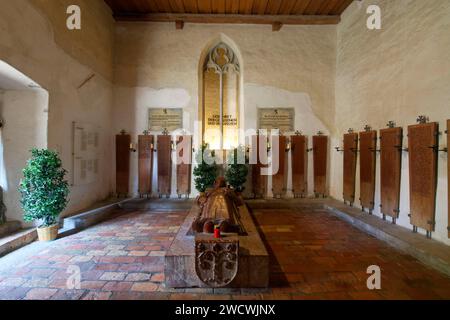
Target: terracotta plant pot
{"x": 48, "y": 233}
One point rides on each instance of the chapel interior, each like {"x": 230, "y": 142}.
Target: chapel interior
{"x": 224, "y": 149}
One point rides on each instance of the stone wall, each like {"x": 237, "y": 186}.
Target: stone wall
{"x": 159, "y": 66}
{"x": 36, "y": 42}
{"x": 396, "y": 73}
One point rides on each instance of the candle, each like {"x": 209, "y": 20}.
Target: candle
{"x": 217, "y": 232}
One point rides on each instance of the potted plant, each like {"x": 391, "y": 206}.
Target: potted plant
{"x": 44, "y": 192}
{"x": 237, "y": 170}
{"x": 205, "y": 172}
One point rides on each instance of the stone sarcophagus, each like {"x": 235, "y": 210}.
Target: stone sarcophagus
{"x": 237, "y": 259}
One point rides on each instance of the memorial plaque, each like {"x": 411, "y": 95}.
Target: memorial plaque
{"x": 368, "y": 147}
{"x": 299, "y": 157}
{"x": 273, "y": 118}
{"x": 448, "y": 175}
{"x": 279, "y": 179}
{"x": 423, "y": 146}
{"x": 145, "y": 164}
{"x": 184, "y": 165}
{"x": 391, "y": 140}
{"x": 259, "y": 161}
{"x": 164, "y": 148}
{"x": 160, "y": 119}
{"x": 123, "y": 142}
{"x": 350, "y": 157}
{"x": 320, "y": 154}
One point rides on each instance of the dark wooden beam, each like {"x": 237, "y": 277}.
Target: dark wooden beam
{"x": 231, "y": 18}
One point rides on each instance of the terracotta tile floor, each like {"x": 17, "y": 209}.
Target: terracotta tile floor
{"x": 314, "y": 255}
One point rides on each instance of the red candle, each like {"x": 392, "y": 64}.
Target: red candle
{"x": 217, "y": 233}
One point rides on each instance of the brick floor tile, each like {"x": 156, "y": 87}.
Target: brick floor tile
{"x": 158, "y": 277}
{"x": 135, "y": 277}
{"x": 40, "y": 294}
{"x": 144, "y": 287}
{"x": 96, "y": 295}
{"x": 68, "y": 295}
{"x": 117, "y": 286}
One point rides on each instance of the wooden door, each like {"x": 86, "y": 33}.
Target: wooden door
{"x": 299, "y": 158}
{"x": 367, "y": 161}
{"x": 123, "y": 142}
{"x": 320, "y": 155}
{"x": 423, "y": 146}
{"x": 350, "y": 157}
{"x": 279, "y": 179}
{"x": 145, "y": 164}
{"x": 184, "y": 165}
{"x": 164, "y": 148}
{"x": 259, "y": 161}
{"x": 391, "y": 141}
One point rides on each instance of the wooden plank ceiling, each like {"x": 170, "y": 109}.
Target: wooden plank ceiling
{"x": 274, "y": 12}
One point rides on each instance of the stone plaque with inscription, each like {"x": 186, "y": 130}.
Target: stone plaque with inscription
{"x": 276, "y": 118}
{"x": 160, "y": 119}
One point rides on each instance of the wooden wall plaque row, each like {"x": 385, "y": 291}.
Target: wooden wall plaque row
{"x": 146, "y": 161}
{"x": 299, "y": 164}
{"x": 423, "y": 148}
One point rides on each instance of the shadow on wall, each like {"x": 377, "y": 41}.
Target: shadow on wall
{"x": 24, "y": 112}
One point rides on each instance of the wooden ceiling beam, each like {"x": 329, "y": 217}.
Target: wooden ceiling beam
{"x": 232, "y": 18}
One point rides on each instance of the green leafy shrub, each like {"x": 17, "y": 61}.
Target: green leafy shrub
{"x": 44, "y": 190}
{"x": 205, "y": 173}
{"x": 237, "y": 170}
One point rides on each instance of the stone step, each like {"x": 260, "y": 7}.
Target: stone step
{"x": 9, "y": 227}
{"x": 17, "y": 240}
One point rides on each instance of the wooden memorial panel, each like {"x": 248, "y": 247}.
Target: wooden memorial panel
{"x": 145, "y": 164}
{"x": 448, "y": 174}
{"x": 422, "y": 145}
{"x": 320, "y": 155}
{"x": 259, "y": 181}
{"x": 391, "y": 140}
{"x": 184, "y": 165}
{"x": 350, "y": 157}
{"x": 367, "y": 161}
{"x": 164, "y": 148}
{"x": 123, "y": 142}
{"x": 299, "y": 157}
{"x": 279, "y": 179}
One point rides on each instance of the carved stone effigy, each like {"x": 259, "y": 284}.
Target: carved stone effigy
{"x": 123, "y": 142}
{"x": 216, "y": 260}
{"x": 184, "y": 165}
{"x": 391, "y": 140}
{"x": 218, "y": 207}
{"x": 145, "y": 164}
{"x": 423, "y": 151}
{"x": 299, "y": 156}
{"x": 320, "y": 154}
{"x": 367, "y": 159}
{"x": 350, "y": 156}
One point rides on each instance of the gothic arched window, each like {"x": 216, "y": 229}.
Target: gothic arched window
{"x": 221, "y": 80}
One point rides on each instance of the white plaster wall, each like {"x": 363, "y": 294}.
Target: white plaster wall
{"x": 25, "y": 117}
{"x": 396, "y": 73}
{"x": 257, "y": 96}
{"x": 34, "y": 40}
{"x": 158, "y": 66}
